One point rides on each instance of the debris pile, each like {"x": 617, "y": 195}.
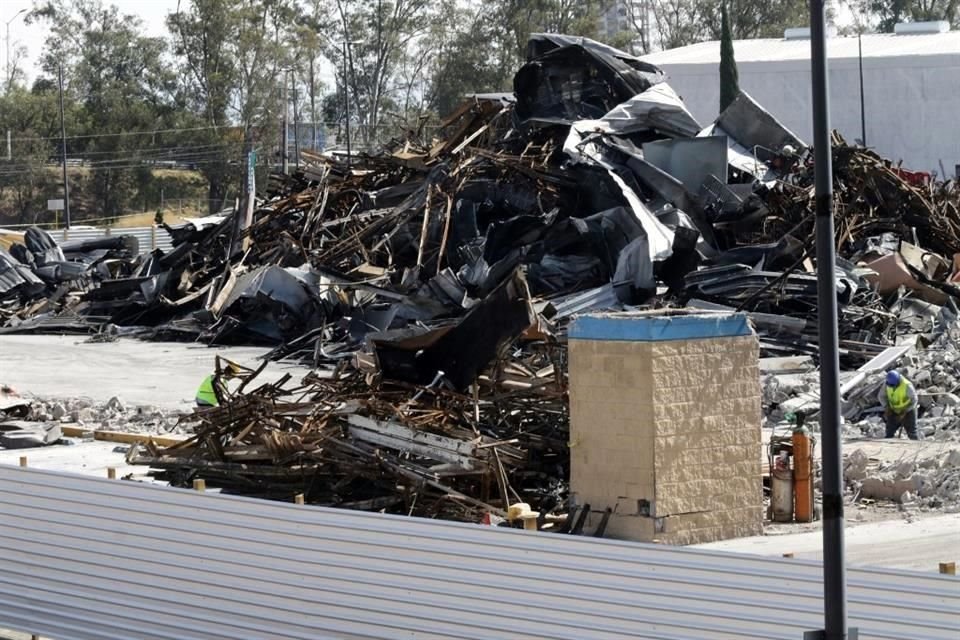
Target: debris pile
{"x": 934, "y": 370}
{"x": 401, "y": 448}
{"x": 930, "y": 481}
{"x": 431, "y": 282}
{"x": 41, "y": 280}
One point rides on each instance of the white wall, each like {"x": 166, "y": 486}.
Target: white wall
{"x": 912, "y": 104}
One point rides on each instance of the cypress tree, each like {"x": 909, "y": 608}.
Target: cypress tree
{"x": 729, "y": 79}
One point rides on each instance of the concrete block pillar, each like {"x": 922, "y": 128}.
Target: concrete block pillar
{"x": 665, "y": 424}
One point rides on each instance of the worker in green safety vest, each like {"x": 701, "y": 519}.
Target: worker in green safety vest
{"x": 899, "y": 400}
{"x": 207, "y": 394}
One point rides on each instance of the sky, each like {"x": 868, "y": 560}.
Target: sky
{"x": 152, "y": 13}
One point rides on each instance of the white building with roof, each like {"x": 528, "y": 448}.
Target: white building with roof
{"x": 911, "y": 88}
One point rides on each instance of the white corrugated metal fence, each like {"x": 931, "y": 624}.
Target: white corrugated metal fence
{"x": 150, "y": 238}
{"x": 92, "y": 559}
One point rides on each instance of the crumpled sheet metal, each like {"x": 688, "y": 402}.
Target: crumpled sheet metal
{"x": 659, "y": 109}
{"x": 592, "y": 79}
{"x": 658, "y": 240}
{"x": 17, "y": 277}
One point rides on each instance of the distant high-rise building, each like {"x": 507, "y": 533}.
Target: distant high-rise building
{"x": 626, "y": 16}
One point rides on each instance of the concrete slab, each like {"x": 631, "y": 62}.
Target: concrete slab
{"x": 919, "y": 545}
{"x": 163, "y": 374}
{"x": 84, "y": 457}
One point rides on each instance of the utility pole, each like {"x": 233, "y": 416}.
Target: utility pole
{"x": 345, "y": 50}
{"x": 834, "y": 567}
{"x": 243, "y": 216}
{"x": 63, "y": 152}
{"x": 863, "y": 113}
{"x": 313, "y": 106}
{"x": 346, "y": 98}
{"x": 9, "y": 71}
{"x": 296, "y": 124}
{"x": 284, "y": 138}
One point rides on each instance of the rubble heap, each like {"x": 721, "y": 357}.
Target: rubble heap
{"x": 431, "y": 282}
{"x": 927, "y": 482}
{"x": 428, "y": 451}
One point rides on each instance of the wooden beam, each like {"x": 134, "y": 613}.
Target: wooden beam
{"x": 122, "y": 437}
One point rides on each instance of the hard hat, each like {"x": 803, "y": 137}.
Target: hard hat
{"x": 893, "y": 378}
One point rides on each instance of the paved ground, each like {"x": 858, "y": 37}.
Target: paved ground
{"x": 920, "y": 545}
{"x": 91, "y": 458}
{"x": 163, "y": 374}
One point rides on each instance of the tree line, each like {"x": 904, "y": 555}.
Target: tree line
{"x": 221, "y": 78}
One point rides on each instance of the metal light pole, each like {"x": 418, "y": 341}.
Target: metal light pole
{"x": 834, "y": 569}
{"x": 345, "y": 51}
{"x": 63, "y": 145}
{"x": 284, "y": 138}
{"x": 863, "y": 113}
{"x": 16, "y": 15}
{"x": 346, "y": 99}
{"x": 296, "y": 124}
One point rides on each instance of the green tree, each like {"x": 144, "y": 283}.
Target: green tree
{"x": 729, "y": 78}
{"x": 378, "y": 33}
{"x": 236, "y": 54}
{"x": 754, "y": 18}
{"x": 484, "y": 46}
{"x": 886, "y": 14}
{"x": 202, "y": 33}
{"x": 470, "y": 60}
{"x": 678, "y": 23}
{"x": 682, "y": 22}
{"x": 520, "y": 18}
{"x": 27, "y": 180}
{"x": 118, "y": 75}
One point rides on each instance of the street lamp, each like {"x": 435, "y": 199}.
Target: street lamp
{"x": 15, "y": 16}
{"x": 344, "y": 44}
{"x": 834, "y": 562}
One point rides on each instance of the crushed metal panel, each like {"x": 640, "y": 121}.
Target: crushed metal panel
{"x": 23, "y": 434}
{"x": 464, "y": 349}
{"x": 17, "y": 277}
{"x": 660, "y": 238}
{"x": 659, "y": 108}
{"x": 752, "y": 126}
{"x": 577, "y": 80}
{"x": 272, "y": 282}
{"x": 691, "y": 161}
{"x": 421, "y": 443}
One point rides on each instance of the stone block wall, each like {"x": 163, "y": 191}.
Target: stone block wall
{"x": 665, "y": 425}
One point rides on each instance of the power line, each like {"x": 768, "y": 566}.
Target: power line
{"x": 129, "y": 166}
{"x": 171, "y": 154}
{"x": 153, "y": 150}
{"x": 130, "y": 133}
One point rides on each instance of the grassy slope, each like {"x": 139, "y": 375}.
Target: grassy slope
{"x": 185, "y": 192}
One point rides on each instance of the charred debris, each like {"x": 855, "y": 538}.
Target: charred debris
{"x": 429, "y": 284}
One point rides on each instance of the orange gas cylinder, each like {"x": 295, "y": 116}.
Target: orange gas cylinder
{"x": 802, "y": 476}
